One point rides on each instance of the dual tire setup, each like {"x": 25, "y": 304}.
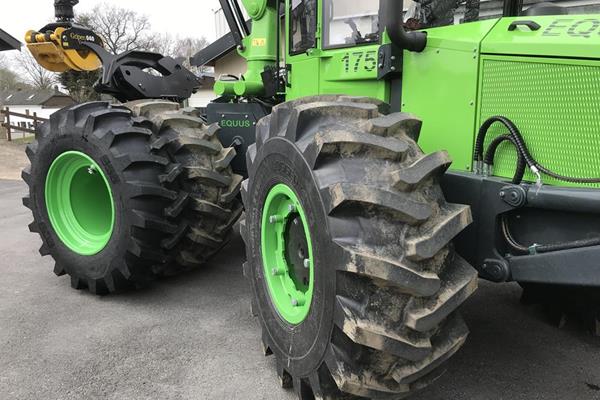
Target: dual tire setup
{"x": 354, "y": 279}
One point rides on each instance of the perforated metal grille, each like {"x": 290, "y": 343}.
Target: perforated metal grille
{"x": 555, "y": 105}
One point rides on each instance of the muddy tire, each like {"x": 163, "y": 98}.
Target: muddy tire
{"x": 387, "y": 281}
{"x": 208, "y": 203}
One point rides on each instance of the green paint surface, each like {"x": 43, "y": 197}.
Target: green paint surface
{"x": 291, "y": 297}
{"x": 79, "y": 203}
{"x": 546, "y": 80}
{"x": 440, "y": 87}
{"x": 556, "y": 105}
{"x": 558, "y": 35}
{"x": 351, "y": 71}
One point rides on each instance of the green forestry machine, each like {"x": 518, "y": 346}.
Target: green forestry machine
{"x": 336, "y": 148}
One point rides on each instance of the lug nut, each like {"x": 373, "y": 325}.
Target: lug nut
{"x": 291, "y": 208}
{"x": 294, "y": 302}
{"x": 306, "y": 263}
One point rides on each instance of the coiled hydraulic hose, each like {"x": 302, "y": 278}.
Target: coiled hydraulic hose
{"x": 524, "y": 158}
{"x": 522, "y": 149}
{"x": 491, "y": 153}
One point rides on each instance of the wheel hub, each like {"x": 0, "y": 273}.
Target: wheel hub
{"x": 79, "y": 203}
{"x": 287, "y": 254}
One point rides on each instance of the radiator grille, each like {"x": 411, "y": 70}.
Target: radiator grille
{"x": 555, "y": 105}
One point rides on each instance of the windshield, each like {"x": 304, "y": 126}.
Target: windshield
{"x": 545, "y": 7}
{"x": 350, "y": 22}
{"x": 420, "y": 14}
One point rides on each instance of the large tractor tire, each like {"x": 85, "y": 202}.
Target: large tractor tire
{"x": 205, "y": 183}
{"x": 354, "y": 280}
{"x": 108, "y": 199}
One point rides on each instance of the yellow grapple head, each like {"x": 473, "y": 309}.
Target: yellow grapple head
{"x": 51, "y": 50}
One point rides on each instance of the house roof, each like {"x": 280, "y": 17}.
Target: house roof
{"x": 8, "y": 42}
{"x": 29, "y": 97}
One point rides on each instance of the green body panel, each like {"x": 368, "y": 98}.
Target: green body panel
{"x": 559, "y": 35}
{"x": 291, "y": 296}
{"x": 303, "y": 77}
{"x": 546, "y": 80}
{"x": 440, "y": 87}
{"x": 352, "y": 71}
{"x": 79, "y": 203}
{"x": 554, "y": 101}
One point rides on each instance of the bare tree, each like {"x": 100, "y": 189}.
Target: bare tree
{"x": 33, "y": 73}
{"x": 180, "y": 48}
{"x": 9, "y": 80}
{"x": 122, "y": 29}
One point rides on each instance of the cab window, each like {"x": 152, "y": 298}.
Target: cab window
{"x": 303, "y": 25}
{"x": 420, "y": 14}
{"x": 350, "y": 22}
{"x": 563, "y": 7}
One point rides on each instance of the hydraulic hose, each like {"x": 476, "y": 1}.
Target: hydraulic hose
{"x": 547, "y": 248}
{"x": 522, "y": 149}
{"x": 524, "y": 157}
{"x": 491, "y": 153}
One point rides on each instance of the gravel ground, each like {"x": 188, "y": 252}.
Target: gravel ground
{"x": 191, "y": 337}
{"x": 12, "y": 159}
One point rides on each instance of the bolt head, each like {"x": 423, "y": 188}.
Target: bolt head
{"x": 294, "y": 303}
{"x": 291, "y": 208}
{"x": 306, "y": 263}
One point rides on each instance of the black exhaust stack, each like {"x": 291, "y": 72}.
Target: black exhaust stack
{"x": 392, "y": 12}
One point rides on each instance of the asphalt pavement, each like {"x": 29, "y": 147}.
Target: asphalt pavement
{"x": 192, "y": 337}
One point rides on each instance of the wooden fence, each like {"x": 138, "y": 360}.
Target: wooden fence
{"x": 5, "y": 115}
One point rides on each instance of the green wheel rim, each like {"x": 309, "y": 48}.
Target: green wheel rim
{"x": 287, "y": 254}
{"x": 80, "y": 203}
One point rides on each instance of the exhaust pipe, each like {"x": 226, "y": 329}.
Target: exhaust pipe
{"x": 392, "y": 11}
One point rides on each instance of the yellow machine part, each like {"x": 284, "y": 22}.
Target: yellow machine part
{"x": 51, "y": 54}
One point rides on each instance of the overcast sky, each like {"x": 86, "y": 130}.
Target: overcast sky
{"x": 194, "y": 18}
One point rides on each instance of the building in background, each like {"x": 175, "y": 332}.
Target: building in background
{"x": 42, "y": 103}
{"x": 205, "y": 94}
